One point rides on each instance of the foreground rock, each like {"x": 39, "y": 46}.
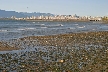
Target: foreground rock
{"x": 78, "y": 52}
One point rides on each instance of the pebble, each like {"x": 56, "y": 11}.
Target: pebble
{"x": 76, "y": 52}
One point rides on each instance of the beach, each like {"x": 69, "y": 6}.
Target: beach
{"x": 6, "y": 47}
{"x": 80, "y": 52}
{"x": 53, "y": 36}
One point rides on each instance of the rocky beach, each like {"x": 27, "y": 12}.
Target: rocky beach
{"x": 72, "y": 52}
{"x": 53, "y": 36}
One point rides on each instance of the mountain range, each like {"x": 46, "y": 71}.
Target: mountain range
{"x": 4, "y": 13}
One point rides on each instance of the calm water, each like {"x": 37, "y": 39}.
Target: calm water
{"x": 11, "y": 30}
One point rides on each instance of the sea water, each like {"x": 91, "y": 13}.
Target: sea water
{"x": 17, "y": 29}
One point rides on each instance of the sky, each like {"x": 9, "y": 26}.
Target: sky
{"x": 62, "y": 7}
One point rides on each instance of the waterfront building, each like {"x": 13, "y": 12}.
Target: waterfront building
{"x": 61, "y": 17}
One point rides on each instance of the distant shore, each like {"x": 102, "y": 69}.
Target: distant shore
{"x": 50, "y": 20}
{"x": 105, "y": 22}
{"x": 64, "y": 20}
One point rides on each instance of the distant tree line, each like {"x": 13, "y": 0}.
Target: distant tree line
{"x": 105, "y": 18}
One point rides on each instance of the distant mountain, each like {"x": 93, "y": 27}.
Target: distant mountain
{"x": 37, "y": 14}
{"x": 4, "y": 13}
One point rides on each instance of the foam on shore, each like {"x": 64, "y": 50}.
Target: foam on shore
{"x": 3, "y": 30}
{"x": 26, "y": 29}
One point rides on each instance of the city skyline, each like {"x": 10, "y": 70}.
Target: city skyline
{"x": 70, "y": 7}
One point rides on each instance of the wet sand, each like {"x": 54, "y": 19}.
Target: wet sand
{"x": 6, "y": 47}
{"x": 75, "y": 52}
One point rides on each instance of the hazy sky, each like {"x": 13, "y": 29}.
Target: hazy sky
{"x": 79, "y": 7}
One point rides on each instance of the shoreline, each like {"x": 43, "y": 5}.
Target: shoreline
{"x": 50, "y": 39}
{"x": 57, "y": 39}
{"x": 50, "y": 20}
